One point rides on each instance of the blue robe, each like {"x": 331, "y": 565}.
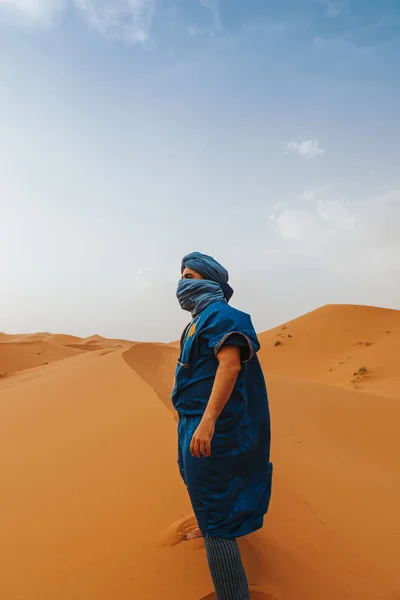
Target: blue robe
{"x": 229, "y": 490}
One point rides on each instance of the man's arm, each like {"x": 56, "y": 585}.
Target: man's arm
{"x": 227, "y": 372}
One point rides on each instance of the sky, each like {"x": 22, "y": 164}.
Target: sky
{"x": 265, "y": 133}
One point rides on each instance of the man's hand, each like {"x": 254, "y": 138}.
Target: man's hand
{"x": 202, "y": 437}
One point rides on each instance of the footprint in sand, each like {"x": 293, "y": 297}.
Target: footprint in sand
{"x": 179, "y": 532}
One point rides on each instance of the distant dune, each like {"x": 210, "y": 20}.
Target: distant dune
{"x": 92, "y": 506}
{"x": 93, "y": 339}
{"x": 18, "y": 356}
{"x": 63, "y": 340}
{"x": 6, "y": 337}
{"x": 106, "y": 342}
{"x": 29, "y": 337}
{"x": 87, "y": 347}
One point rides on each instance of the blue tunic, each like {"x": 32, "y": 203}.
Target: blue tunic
{"x": 229, "y": 490}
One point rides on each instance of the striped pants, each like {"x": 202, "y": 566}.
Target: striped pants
{"x": 226, "y": 569}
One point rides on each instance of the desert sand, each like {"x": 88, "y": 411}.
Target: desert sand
{"x": 92, "y": 506}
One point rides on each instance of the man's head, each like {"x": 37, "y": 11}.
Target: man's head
{"x": 203, "y": 282}
{"x": 202, "y": 266}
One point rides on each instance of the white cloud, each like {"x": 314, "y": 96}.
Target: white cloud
{"x": 334, "y": 8}
{"x": 127, "y": 20}
{"x": 306, "y": 148}
{"x": 31, "y": 12}
{"x": 358, "y": 237}
{"x": 212, "y": 7}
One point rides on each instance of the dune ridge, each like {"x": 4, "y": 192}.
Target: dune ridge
{"x": 60, "y": 339}
{"x": 92, "y": 505}
{"x": 331, "y": 344}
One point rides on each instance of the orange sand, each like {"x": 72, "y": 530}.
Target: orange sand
{"x": 332, "y": 343}
{"x": 92, "y": 506}
{"x": 63, "y": 340}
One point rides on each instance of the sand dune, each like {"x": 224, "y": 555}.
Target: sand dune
{"x": 155, "y": 364}
{"x": 61, "y": 339}
{"x": 18, "y": 356}
{"x": 106, "y": 342}
{"x": 89, "y": 486}
{"x": 338, "y": 465}
{"x": 87, "y": 347}
{"x": 355, "y": 347}
{"x": 6, "y": 337}
{"x": 174, "y": 344}
{"x": 92, "y": 506}
{"x": 93, "y": 339}
{"x": 30, "y": 337}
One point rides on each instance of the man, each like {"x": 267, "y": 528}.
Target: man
{"x": 224, "y": 423}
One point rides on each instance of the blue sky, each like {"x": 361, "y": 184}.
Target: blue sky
{"x": 263, "y": 132}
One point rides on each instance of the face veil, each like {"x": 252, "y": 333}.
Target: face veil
{"x": 194, "y": 295}
{"x": 212, "y": 272}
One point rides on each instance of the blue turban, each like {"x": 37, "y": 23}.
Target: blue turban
{"x": 209, "y": 269}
